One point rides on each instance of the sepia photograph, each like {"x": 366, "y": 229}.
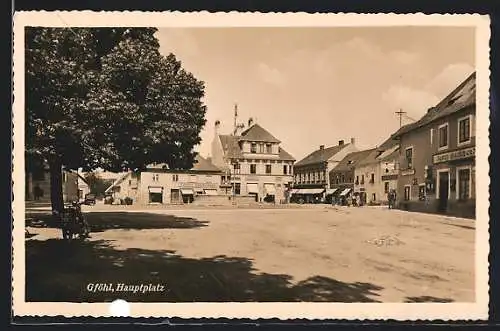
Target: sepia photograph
{"x": 251, "y": 161}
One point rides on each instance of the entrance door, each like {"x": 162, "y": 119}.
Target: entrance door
{"x": 175, "y": 196}
{"x": 443, "y": 190}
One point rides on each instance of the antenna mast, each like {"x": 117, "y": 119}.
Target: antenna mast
{"x": 400, "y": 113}
{"x": 235, "y": 118}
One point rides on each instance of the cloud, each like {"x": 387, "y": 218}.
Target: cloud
{"x": 269, "y": 74}
{"x": 449, "y": 78}
{"x": 413, "y": 101}
{"x": 404, "y": 57}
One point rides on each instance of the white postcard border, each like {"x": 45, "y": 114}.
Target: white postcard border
{"x": 350, "y": 311}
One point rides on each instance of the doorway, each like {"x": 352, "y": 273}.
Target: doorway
{"x": 444, "y": 192}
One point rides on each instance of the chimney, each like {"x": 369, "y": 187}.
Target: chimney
{"x": 353, "y": 141}
{"x": 250, "y": 122}
{"x": 321, "y": 147}
{"x": 341, "y": 142}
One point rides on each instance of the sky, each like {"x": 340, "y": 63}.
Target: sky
{"x": 315, "y": 86}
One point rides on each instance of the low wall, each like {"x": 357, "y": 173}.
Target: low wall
{"x": 454, "y": 208}
{"x": 222, "y": 200}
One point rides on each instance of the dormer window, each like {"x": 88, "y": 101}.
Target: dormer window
{"x": 269, "y": 148}
{"x": 253, "y": 148}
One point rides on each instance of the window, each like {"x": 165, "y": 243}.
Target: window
{"x": 129, "y": 182}
{"x": 253, "y": 168}
{"x": 362, "y": 179}
{"x": 236, "y": 168}
{"x": 386, "y": 187}
{"x": 269, "y": 148}
{"x": 321, "y": 175}
{"x": 421, "y": 192}
{"x": 237, "y": 188}
{"x": 268, "y": 168}
{"x": 175, "y": 177}
{"x": 192, "y": 178}
{"x": 372, "y": 179}
{"x": 308, "y": 177}
{"x": 285, "y": 168}
{"x": 253, "y": 148}
{"x": 261, "y": 148}
{"x": 443, "y": 136}
{"x": 464, "y": 130}
{"x": 290, "y": 169}
{"x": 357, "y": 180}
{"x": 464, "y": 184}
{"x": 314, "y": 176}
{"x": 374, "y": 197}
{"x": 409, "y": 157}
{"x": 432, "y": 135}
{"x": 407, "y": 193}
{"x": 155, "y": 177}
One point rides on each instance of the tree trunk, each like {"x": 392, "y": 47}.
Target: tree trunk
{"x": 56, "y": 192}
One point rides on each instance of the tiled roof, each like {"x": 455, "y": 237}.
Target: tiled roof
{"x": 382, "y": 151}
{"x": 203, "y": 165}
{"x": 463, "y": 96}
{"x": 200, "y": 164}
{"x": 321, "y": 155}
{"x": 258, "y": 133}
{"x": 231, "y": 148}
{"x": 352, "y": 159}
{"x": 285, "y": 156}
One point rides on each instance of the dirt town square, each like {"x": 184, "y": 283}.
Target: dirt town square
{"x": 369, "y": 254}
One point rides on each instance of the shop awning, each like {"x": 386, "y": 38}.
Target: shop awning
{"x": 331, "y": 191}
{"x": 345, "y": 191}
{"x": 155, "y": 189}
{"x": 252, "y": 188}
{"x": 211, "y": 192}
{"x": 187, "y": 191}
{"x": 270, "y": 189}
{"x": 310, "y": 191}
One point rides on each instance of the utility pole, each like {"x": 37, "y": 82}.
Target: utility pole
{"x": 400, "y": 113}
{"x": 235, "y": 118}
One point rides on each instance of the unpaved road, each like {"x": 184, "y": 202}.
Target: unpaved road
{"x": 308, "y": 254}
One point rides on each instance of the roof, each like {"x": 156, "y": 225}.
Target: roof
{"x": 230, "y": 146}
{"x": 232, "y": 149}
{"x": 462, "y": 97}
{"x": 117, "y": 181}
{"x": 257, "y": 133}
{"x": 203, "y": 164}
{"x": 321, "y": 155}
{"x": 380, "y": 152}
{"x": 352, "y": 159}
{"x": 200, "y": 164}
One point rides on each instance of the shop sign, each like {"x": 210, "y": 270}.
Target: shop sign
{"x": 455, "y": 155}
{"x": 407, "y": 172}
{"x": 389, "y": 177}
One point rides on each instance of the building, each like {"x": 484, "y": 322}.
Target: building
{"x": 254, "y": 163}
{"x": 342, "y": 176}
{"x": 311, "y": 174}
{"x": 37, "y": 183}
{"x": 83, "y": 186}
{"x": 158, "y": 184}
{"x": 376, "y": 174}
{"x": 437, "y": 156}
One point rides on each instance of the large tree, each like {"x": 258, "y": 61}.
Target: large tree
{"x": 106, "y": 97}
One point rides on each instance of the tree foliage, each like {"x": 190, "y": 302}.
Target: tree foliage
{"x": 106, "y": 98}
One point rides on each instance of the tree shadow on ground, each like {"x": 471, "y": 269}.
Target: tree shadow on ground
{"x": 61, "y": 271}
{"x": 122, "y": 220}
{"x": 426, "y": 298}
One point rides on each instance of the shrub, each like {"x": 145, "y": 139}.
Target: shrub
{"x": 128, "y": 201}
